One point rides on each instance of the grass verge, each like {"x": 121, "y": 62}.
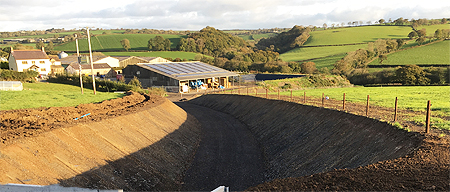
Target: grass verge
{"x": 35, "y": 95}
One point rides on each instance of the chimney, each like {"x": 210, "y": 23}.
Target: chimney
{"x": 42, "y": 48}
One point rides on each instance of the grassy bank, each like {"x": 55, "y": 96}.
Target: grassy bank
{"x": 35, "y": 95}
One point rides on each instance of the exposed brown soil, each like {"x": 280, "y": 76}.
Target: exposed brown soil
{"x": 426, "y": 169}
{"x": 309, "y": 148}
{"x": 31, "y": 122}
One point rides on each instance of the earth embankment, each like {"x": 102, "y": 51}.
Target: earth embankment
{"x": 147, "y": 149}
{"x": 300, "y": 140}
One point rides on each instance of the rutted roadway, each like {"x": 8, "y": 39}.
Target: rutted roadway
{"x": 228, "y": 155}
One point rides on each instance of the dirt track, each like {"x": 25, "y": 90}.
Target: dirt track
{"x": 228, "y": 155}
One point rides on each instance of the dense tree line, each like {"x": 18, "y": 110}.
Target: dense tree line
{"x": 406, "y": 75}
{"x": 231, "y": 52}
{"x": 285, "y": 41}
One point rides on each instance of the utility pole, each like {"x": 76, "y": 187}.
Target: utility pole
{"x": 90, "y": 61}
{"x": 79, "y": 63}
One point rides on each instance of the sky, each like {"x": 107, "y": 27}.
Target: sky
{"x": 18, "y": 15}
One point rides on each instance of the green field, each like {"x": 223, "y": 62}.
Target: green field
{"x": 432, "y": 28}
{"x": 112, "y": 42}
{"x": 409, "y": 97}
{"x": 163, "y": 54}
{"x": 304, "y": 53}
{"x": 350, "y": 35}
{"x": 35, "y": 95}
{"x": 436, "y": 53}
{"x": 328, "y": 62}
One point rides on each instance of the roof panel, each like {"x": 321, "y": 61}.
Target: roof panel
{"x": 189, "y": 70}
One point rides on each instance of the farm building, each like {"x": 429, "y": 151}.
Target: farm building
{"x": 36, "y": 60}
{"x": 100, "y": 69}
{"x": 179, "y": 76}
{"x": 97, "y": 59}
{"x": 133, "y": 60}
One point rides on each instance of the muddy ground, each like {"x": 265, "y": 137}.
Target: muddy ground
{"x": 426, "y": 168}
{"x": 29, "y": 122}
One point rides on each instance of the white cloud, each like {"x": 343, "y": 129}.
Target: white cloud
{"x": 196, "y": 14}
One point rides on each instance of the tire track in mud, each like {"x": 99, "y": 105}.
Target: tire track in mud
{"x": 228, "y": 155}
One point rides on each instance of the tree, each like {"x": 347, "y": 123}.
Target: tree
{"x": 325, "y": 26}
{"x": 422, "y": 32}
{"x": 308, "y": 67}
{"x": 125, "y": 44}
{"x": 135, "y": 82}
{"x": 411, "y": 75}
{"x": 49, "y": 46}
{"x": 381, "y": 21}
{"x": 412, "y": 34}
{"x": 39, "y": 45}
{"x": 421, "y": 40}
{"x": 159, "y": 44}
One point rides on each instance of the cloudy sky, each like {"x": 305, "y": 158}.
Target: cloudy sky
{"x": 196, "y": 14}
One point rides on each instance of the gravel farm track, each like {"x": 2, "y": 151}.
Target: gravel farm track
{"x": 290, "y": 147}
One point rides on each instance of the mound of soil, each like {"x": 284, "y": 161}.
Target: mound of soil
{"x": 16, "y": 124}
{"x": 426, "y": 169}
{"x": 310, "y": 148}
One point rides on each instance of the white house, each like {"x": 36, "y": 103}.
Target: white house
{"x": 23, "y": 60}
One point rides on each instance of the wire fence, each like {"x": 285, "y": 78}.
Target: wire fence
{"x": 383, "y": 113}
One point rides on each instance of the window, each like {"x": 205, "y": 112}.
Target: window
{"x": 43, "y": 69}
{"x": 41, "y": 62}
{"x": 24, "y": 62}
{"x": 33, "y": 62}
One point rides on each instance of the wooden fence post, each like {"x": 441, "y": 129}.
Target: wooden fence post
{"x": 291, "y": 96}
{"x": 323, "y": 99}
{"x": 304, "y": 97}
{"x": 343, "y": 103}
{"x": 427, "y": 126}
{"x": 267, "y": 96}
{"x": 367, "y": 106}
{"x": 395, "y": 110}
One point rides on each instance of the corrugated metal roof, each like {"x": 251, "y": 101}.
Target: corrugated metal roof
{"x": 188, "y": 70}
{"x": 29, "y": 54}
{"x": 88, "y": 66}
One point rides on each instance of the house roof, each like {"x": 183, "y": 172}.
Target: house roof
{"x": 55, "y": 57}
{"x": 73, "y": 59}
{"x": 29, "y": 54}
{"x": 76, "y": 66}
{"x": 187, "y": 70}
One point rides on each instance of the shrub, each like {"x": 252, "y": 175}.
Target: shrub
{"x": 28, "y": 76}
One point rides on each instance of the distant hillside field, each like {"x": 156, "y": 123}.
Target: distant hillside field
{"x": 112, "y": 42}
{"x": 304, "y": 53}
{"x": 432, "y": 28}
{"x": 351, "y": 35}
{"x": 437, "y": 53}
{"x": 163, "y": 54}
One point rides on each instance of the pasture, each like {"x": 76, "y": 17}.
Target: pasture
{"x": 436, "y": 53}
{"x": 350, "y": 35}
{"x": 35, "y": 95}
{"x": 304, "y": 53}
{"x": 409, "y": 97}
{"x": 112, "y": 42}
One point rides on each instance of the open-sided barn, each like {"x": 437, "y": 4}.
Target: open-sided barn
{"x": 179, "y": 76}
